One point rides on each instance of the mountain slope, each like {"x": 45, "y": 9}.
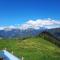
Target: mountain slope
{"x": 55, "y": 32}
{"x": 18, "y": 33}
{"x": 35, "y": 48}
{"x": 50, "y": 37}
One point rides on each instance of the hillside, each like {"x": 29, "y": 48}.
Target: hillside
{"x": 50, "y": 37}
{"x": 55, "y": 32}
{"x": 35, "y": 48}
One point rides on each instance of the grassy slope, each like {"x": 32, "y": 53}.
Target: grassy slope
{"x": 34, "y": 48}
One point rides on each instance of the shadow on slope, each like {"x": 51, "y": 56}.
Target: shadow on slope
{"x": 50, "y": 37}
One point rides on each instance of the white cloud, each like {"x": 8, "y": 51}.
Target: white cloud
{"x": 36, "y": 24}
{"x": 7, "y": 28}
{"x": 48, "y": 23}
{"x": 1, "y": 28}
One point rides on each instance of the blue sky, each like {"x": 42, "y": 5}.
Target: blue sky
{"x": 19, "y": 11}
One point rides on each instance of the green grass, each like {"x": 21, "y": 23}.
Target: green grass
{"x": 34, "y": 48}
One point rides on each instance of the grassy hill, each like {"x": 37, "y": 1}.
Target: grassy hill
{"x": 34, "y": 48}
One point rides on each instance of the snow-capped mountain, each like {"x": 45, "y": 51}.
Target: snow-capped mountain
{"x": 15, "y": 32}
{"x": 19, "y": 33}
{"x": 28, "y": 29}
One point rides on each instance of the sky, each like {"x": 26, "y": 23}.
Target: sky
{"x": 14, "y": 12}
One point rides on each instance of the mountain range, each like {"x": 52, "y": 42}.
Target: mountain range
{"x": 30, "y": 32}
{"x": 14, "y": 32}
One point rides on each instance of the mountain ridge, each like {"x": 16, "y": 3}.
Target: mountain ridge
{"x": 18, "y": 33}
{"x": 50, "y": 37}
